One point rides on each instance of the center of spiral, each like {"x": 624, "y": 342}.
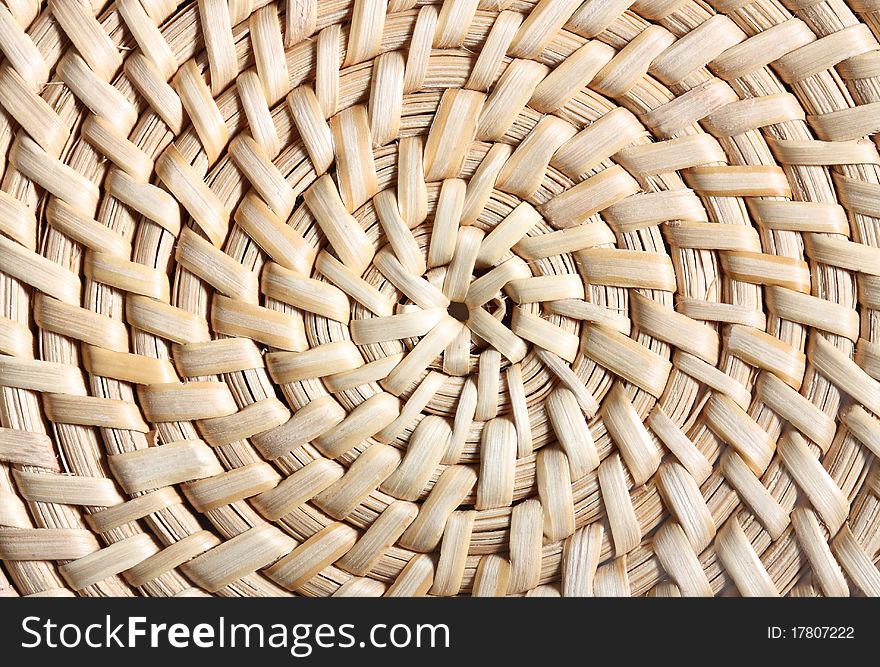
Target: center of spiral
{"x": 458, "y": 310}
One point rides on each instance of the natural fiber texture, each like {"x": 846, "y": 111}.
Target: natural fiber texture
{"x": 474, "y": 297}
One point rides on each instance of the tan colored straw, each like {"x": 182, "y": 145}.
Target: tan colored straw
{"x": 440, "y": 297}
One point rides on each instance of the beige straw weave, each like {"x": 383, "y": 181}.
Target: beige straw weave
{"x": 475, "y": 297}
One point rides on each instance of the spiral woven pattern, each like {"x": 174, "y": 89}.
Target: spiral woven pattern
{"x": 475, "y": 297}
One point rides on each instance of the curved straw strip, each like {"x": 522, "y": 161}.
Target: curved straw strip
{"x": 560, "y": 297}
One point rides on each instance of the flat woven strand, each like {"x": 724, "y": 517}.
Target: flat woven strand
{"x": 459, "y": 297}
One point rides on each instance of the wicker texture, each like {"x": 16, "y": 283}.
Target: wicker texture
{"x": 475, "y": 297}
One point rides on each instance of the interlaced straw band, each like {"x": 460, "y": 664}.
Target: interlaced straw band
{"x": 490, "y": 297}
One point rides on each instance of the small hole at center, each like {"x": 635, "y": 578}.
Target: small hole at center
{"x": 458, "y": 310}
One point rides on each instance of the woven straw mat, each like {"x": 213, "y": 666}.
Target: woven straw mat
{"x": 478, "y": 297}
